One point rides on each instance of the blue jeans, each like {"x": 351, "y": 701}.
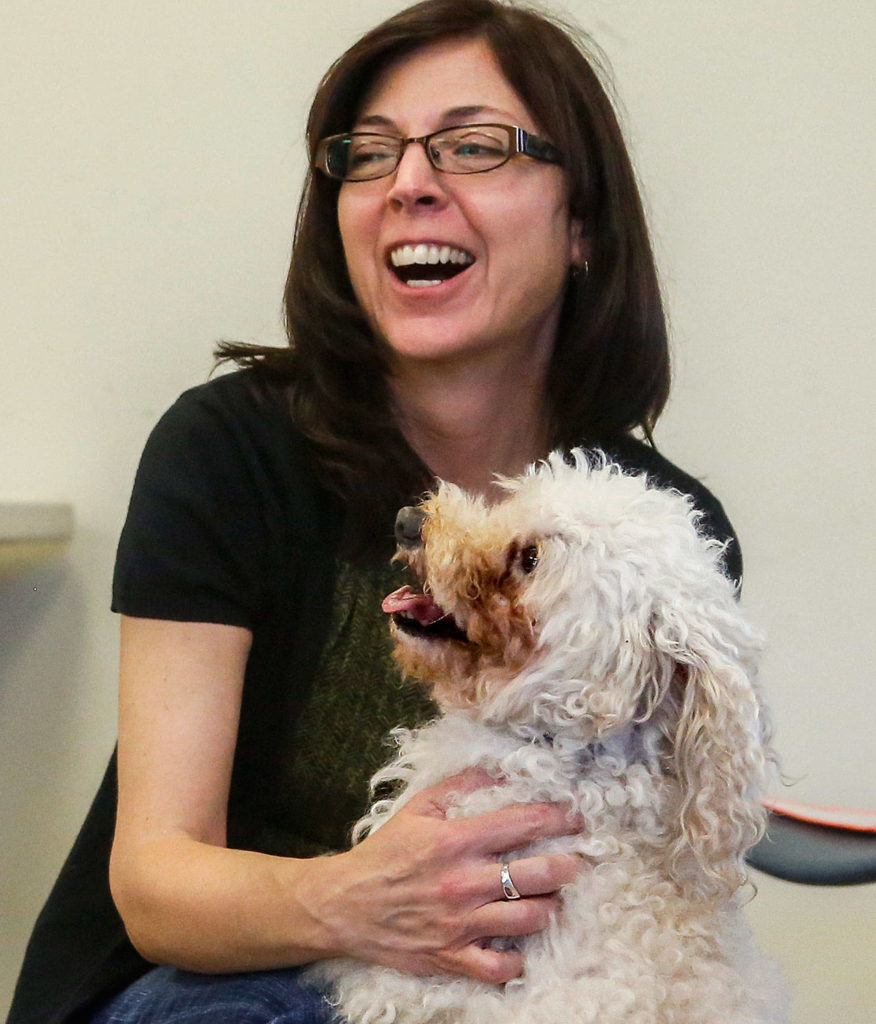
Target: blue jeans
{"x": 168, "y": 996}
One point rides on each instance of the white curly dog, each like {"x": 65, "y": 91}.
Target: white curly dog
{"x": 586, "y": 647}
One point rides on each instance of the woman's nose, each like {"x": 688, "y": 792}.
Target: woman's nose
{"x": 415, "y": 180}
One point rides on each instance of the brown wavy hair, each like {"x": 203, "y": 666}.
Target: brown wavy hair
{"x": 609, "y": 372}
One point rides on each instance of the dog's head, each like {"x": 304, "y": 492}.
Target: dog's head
{"x": 584, "y": 603}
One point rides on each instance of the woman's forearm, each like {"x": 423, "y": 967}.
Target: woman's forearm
{"x": 213, "y": 910}
{"x": 420, "y": 894}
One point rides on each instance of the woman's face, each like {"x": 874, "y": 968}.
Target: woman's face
{"x": 507, "y": 231}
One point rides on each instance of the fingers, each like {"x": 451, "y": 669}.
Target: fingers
{"x": 502, "y": 919}
{"x": 516, "y": 826}
{"x": 538, "y": 880}
{"x": 435, "y": 800}
{"x": 430, "y": 889}
{"x": 532, "y": 876}
{"x": 490, "y": 965}
{"x": 518, "y": 917}
{"x": 506, "y": 829}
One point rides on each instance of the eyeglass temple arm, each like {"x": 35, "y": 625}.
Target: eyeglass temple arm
{"x": 533, "y": 146}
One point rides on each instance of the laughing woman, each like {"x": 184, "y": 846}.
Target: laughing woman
{"x": 471, "y": 286}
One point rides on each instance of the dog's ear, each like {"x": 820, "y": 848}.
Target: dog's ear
{"x": 718, "y": 733}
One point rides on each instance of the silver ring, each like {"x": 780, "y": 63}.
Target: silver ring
{"x": 508, "y": 887}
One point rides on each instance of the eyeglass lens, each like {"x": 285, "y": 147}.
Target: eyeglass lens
{"x": 464, "y": 150}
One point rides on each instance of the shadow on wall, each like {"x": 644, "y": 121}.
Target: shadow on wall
{"x": 42, "y": 651}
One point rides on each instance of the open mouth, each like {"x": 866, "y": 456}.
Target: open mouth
{"x": 415, "y": 613}
{"x": 426, "y": 265}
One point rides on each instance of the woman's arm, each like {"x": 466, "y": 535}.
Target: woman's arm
{"x": 417, "y": 895}
{"x": 184, "y": 898}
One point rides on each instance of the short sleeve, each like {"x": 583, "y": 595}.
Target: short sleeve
{"x": 194, "y": 545}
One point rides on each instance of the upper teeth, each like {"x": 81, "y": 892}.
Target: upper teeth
{"x": 405, "y": 255}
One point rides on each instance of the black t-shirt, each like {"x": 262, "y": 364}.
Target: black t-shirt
{"x": 227, "y": 524}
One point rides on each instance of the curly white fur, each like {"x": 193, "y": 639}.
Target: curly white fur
{"x": 619, "y": 676}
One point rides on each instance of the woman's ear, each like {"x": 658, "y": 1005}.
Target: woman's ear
{"x": 579, "y": 243}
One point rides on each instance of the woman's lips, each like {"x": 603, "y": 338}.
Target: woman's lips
{"x": 427, "y": 264}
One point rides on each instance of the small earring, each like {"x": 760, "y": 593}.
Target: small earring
{"x": 579, "y": 270}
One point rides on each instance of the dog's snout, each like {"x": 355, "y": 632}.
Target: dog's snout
{"x": 409, "y": 526}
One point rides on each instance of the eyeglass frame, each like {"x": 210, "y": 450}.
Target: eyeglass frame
{"x": 520, "y": 143}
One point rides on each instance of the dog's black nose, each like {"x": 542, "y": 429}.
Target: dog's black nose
{"x": 408, "y": 526}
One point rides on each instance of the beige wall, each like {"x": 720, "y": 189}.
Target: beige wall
{"x": 149, "y": 175}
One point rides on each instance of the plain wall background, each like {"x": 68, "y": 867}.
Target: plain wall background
{"x": 151, "y": 162}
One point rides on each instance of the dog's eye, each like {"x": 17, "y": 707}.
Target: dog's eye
{"x": 529, "y": 558}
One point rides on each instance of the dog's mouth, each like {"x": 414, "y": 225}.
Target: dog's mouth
{"x": 416, "y": 613}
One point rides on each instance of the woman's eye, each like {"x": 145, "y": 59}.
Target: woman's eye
{"x": 477, "y": 147}
{"x": 471, "y": 149}
{"x": 529, "y": 558}
{"x": 362, "y": 157}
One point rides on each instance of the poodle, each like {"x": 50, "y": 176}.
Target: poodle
{"x": 585, "y": 646}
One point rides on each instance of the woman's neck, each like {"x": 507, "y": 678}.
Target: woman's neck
{"x": 468, "y": 425}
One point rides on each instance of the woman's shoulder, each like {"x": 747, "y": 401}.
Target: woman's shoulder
{"x": 224, "y": 500}
{"x": 237, "y": 432}
{"x": 638, "y": 457}
{"x": 237, "y": 422}
{"x": 242, "y": 395}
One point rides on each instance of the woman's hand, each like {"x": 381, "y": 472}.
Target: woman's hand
{"x": 420, "y": 894}
{"x": 423, "y": 893}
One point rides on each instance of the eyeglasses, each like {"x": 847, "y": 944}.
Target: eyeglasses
{"x": 465, "y": 149}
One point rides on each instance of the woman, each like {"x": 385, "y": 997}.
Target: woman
{"x": 471, "y": 286}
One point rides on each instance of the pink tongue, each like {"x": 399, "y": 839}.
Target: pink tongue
{"x": 406, "y": 601}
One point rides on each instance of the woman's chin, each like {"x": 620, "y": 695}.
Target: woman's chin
{"x": 434, "y": 339}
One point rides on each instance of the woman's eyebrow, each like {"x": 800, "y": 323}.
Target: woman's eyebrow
{"x": 455, "y": 114}
{"x": 452, "y": 116}
{"x": 375, "y": 121}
